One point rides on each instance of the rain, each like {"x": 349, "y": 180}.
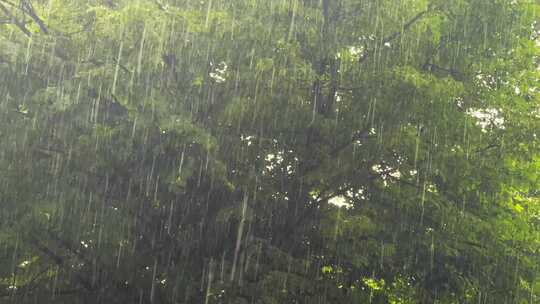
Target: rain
{"x": 269, "y": 151}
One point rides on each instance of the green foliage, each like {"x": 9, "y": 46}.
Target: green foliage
{"x": 254, "y": 151}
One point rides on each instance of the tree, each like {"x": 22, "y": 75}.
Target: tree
{"x": 270, "y": 151}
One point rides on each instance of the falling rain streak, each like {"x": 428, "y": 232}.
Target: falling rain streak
{"x": 269, "y": 151}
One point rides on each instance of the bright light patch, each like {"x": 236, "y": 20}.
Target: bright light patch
{"x": 340, "y": 201}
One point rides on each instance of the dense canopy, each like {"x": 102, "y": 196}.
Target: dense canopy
{"x": 270, "y": 151}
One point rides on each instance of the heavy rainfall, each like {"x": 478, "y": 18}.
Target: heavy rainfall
{"x": 270, "y": 151}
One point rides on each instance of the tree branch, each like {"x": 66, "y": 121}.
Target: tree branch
{"x": 406, "y": 26}
{"x": 60, "y": 261}
{"x": 14, "y": 20}
{"x": 29, "y": 10}
{"x": 396, "y": 34}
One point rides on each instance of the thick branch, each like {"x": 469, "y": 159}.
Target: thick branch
{"x": 14, "y": 20}
{"x": 29, "y": 10}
